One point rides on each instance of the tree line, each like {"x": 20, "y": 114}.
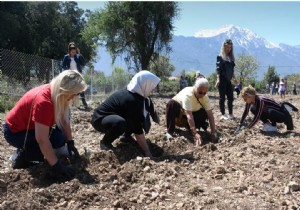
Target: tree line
{"x": 141, "y": 32}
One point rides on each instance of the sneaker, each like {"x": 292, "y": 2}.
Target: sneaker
{"x": 231, "y": 117}
{"x": 224, "y": 117}
{"x": 168, "y": 137}
{"x": 105, "y": 146}
{"x": 289, "y": 122}
{"x": 19, "y": 160}
{"x": 269, "y": 128}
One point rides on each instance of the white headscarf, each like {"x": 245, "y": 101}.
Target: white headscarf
{"x": 143, "y": 83}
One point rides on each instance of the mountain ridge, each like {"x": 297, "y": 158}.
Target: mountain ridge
{"x": 199, "y": 52}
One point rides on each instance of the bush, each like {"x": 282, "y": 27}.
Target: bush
{"x": 7, "y": 103}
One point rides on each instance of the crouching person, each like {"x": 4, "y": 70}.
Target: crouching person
{"x": 29, "y": 126}
{"x": 193, "y": 103}
{"x": 125, "y": 112}
{"x": 267, "y": 110}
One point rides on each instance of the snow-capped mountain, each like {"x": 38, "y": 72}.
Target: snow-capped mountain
{"x": 200, "y": 51}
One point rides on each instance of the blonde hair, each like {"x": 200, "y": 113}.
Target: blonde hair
{"x": 223, "y": 53}
{"x": 63, "y": 87}
{"x": 248, "y": 91}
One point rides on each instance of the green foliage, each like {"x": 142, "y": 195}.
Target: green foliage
{"x": 138, "y": 30}
{"x": 271, "y": 75}
{"x": 212, "y": 81}
{"x": 291, "y": 79}
{"x": 169, "y": 86}
{"x": 7, "y": 103}
{"x": 43, "y": 28}
{"x": 245, "y": 68}
{"x": 162, "y": 67}
{"x": 120, "y": 78}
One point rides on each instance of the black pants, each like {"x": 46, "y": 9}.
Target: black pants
{"x": 271, "y": 115}
{"x": 237, "y": 90}
{"x": 82, "y": 96}
{"x": 294, "y": 92}
{"x": 113, "y": 126}
{"x": 173, "y": 110}
{"x": 225, "y": 89}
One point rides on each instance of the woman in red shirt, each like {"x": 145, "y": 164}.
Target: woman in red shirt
{"x": 39, "y": 122}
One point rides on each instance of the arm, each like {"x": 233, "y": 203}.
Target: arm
{"x": 143, "y": 144}
{"x": 67, "y": 131}
{"x": 259, "y": 109}
{"x": 190, "y": 118}
{"x": 42, "y": 137}
{"x": 211, "y": 120}
{"x": 64, "y": 63}
{"x": 245, "y": 113}
{"x": 219, "y": 65}
{"x": 80, "y": 57}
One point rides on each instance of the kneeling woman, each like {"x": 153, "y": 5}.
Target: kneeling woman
{"x": 29, "y": 125}
{"x": 265, "y": 109}
{"x": 196, "y": 106}
{"x": 125, "y": 112}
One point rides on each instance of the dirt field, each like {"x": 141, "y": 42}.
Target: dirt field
{"x": 251, "y": 170}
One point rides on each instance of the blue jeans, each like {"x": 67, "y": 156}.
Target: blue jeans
{"x": 32, "y": 149}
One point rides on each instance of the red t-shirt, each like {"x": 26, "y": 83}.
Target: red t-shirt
{"x": 42, "y": 110}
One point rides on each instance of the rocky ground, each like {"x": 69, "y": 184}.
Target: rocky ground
{"x": 251, "y": 170}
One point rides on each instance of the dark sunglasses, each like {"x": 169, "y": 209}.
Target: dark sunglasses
{"x": 202, "y": 93}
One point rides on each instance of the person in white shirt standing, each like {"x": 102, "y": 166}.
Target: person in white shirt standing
{"x": 74, "y": 61}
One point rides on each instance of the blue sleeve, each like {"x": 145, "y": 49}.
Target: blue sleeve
{"x": 64, "y": 63}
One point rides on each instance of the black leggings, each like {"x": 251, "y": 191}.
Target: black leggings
{"x": 225, "y": 89}
{"x": 173, "y": 110}
{"x": 113, "y": 126}
{"x": 270, "y": 115}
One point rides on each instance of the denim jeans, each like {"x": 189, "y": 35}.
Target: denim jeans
{"x": 32, "y": 148}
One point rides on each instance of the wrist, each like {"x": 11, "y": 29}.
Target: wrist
{"x": 193, "y": 130}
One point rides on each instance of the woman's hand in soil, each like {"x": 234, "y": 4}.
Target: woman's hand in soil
{"x": 198, "y": 139}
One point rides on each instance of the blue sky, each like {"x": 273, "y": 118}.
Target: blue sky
{"x": 276, "y": 21}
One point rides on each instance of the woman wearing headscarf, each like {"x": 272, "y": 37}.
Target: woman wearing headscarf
{"x": 125, "y": 111}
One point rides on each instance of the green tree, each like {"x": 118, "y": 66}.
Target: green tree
{"x": 162, "y": 67}
{"x": 212, "y": 81}
{"x": 120, "y": 78}
{"x": 43, "y": 28}
{"x": 138, "y": 30}
{"x": 271, "y": 75}
{"x": 245, "y": 68}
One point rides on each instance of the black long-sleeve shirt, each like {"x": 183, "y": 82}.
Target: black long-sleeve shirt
{"x": 126, "y": 104}
{"x": 262, "y": 104}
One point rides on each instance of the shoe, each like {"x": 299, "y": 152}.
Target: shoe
{"x": 269, "y": 128}
{"x": 168, "y": 137}
{"x": 231, "y": 117}
{"x": 105, "y": 146}
{"x": 19, "y": 160}
{"x": 224, "y": 117}
{"x": 289, "y": 122}
{"x": 127, "y": 138}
